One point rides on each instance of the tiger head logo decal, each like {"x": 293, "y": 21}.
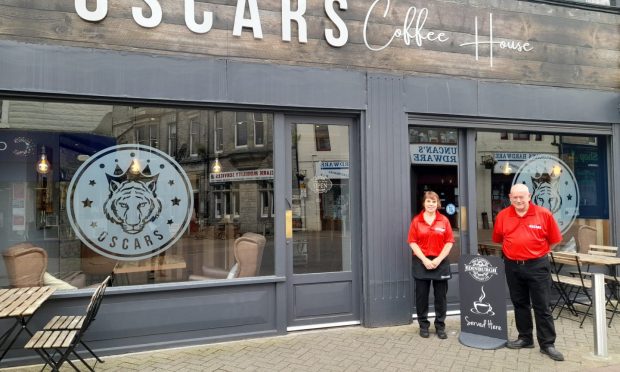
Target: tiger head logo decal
{"x": 553, "y": 186}
{"x": 132, "y": 201}
{"x": 129, "y": 202}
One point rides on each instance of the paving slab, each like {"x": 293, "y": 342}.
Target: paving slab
{"x": 398, "y": 348}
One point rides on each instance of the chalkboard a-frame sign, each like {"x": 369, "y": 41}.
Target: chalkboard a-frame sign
{"x": 483, "y": 302}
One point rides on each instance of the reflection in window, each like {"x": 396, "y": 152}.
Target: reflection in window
{"x": 172, "y": 139}
{"x": 321, "y": 137}
{"x": 566, "y": 174}
{"x": 241, "y": 130}
{"x": 218, "y": 141}
{"x": 194, "y": 136}
{"x": 259, "y": 130}
{"x": 227, "y": 205}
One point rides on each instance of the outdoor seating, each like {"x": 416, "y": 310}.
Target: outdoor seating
{"x": 62, "y": 334}
{"x": 572, "y": 289}
{"x": 611, "y": 279}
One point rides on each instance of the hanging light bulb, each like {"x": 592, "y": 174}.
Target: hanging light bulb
{"x": 507, "y": 169}
{"x": 135, "y": 166}
{"x": 43, "y": 165}
{"x": 217, "y": 167}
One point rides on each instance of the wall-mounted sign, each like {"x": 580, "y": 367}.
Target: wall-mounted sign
{"x": 246, "y": 175}
{"x": 333, "y": 169}
{"x": 129, "y": 202}
{"x": 553, "y": 186}
{"x": 483, "y": 302}
{"x": 433, "y": 154}
{"x": 411, "y": 31}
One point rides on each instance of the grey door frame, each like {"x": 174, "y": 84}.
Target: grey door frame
{"x": 353, "y": 276}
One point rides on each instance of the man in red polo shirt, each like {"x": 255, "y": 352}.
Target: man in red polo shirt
{"x": 527, "y": 233}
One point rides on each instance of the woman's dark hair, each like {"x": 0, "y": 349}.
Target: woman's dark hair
{"x": 431, "y": 195}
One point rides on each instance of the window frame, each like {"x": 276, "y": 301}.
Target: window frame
{"x": 615, "y": 9}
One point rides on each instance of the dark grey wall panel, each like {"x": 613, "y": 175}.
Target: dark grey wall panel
{"x": 387, "y": 259}
{"x": 441, "y": 96}
{"x": 130, "y": 322}
{"x": 463, "y": 97}
{"x": 94, "y": 72}
{"x": 295, "y": 86}
{"x": 336, "y": 299}
{"x": 503, "y": 100}
{"x": 614, "y": 166}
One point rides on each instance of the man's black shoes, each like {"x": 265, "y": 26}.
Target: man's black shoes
{"x": 520, "y": 344}
{"x": 424, "y": 332}
{"x": 441, "y": 333}
{"x": 552, "y": 353}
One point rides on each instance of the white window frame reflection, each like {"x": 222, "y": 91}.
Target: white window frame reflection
{"x": 194, "y": 135}
{"x": 259, "y": 123}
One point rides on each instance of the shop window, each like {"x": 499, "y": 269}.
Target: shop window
{"x": 35, "y": 210}
{"x": 503, "y": 135}
{"x": 565, "y": 174}
{"x": 321, "y": 136}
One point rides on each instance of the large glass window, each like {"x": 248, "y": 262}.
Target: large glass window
{"x": 227, "y": 202}
{"x": 565, "y": 173}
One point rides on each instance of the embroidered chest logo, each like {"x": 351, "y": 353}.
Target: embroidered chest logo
{"x": 553, "y": 186}
{"x": 535, "y": 227}
{"x": 129, "y": 202}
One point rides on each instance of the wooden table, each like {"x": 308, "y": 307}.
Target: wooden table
{"x": 20, "y": 304}
{"x": 150, "y": 265}
{"x": 159, "y": 263}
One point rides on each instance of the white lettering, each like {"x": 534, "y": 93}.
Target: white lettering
{"x": 253, "y": 22}
{"x": 97, "y": 15}
{"x": 504, "y": 44}
{"x": 288, "y": 16}
{"x": 154, "y": 20}
{"x": 419, "y": 35}
{"x": 190, "y": 19}
{"x": 338, "y": 22}
{"x": 3, "y": 146}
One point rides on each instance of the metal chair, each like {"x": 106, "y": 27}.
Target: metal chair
{"x": 62, "y": 334}
{"x": 570, "y": 288}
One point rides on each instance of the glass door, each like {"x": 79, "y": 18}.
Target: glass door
{"x": 323, "y": 250}
{"x": 434, "y": 157}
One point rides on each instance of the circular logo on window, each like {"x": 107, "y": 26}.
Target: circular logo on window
{"x": 129, "y": 202}
{"x": 553, "y": 186}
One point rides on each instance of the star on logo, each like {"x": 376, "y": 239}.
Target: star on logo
{"x": 93, "y": 225}
{"x": 92, "y": 182}
{"x": 87, "y": 203}
{"x": 171, "y": 182}
{"x": 175, "y": 201}
{"x": 170, "y": 222}
{"x": 569, "y": 197}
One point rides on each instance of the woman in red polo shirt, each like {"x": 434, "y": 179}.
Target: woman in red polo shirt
{"x": 430, "y": 238}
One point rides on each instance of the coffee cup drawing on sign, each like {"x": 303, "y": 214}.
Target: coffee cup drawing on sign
{"x": 482, "y": 308}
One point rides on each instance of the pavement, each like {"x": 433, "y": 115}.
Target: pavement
{"x": 398, "y": 348}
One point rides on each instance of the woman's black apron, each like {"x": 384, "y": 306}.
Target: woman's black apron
{"x": 442, "y": 272}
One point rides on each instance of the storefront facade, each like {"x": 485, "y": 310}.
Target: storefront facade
{"x": 320, "y": 140}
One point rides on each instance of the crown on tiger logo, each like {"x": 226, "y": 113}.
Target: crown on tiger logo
{"x": 130, "y": 174}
